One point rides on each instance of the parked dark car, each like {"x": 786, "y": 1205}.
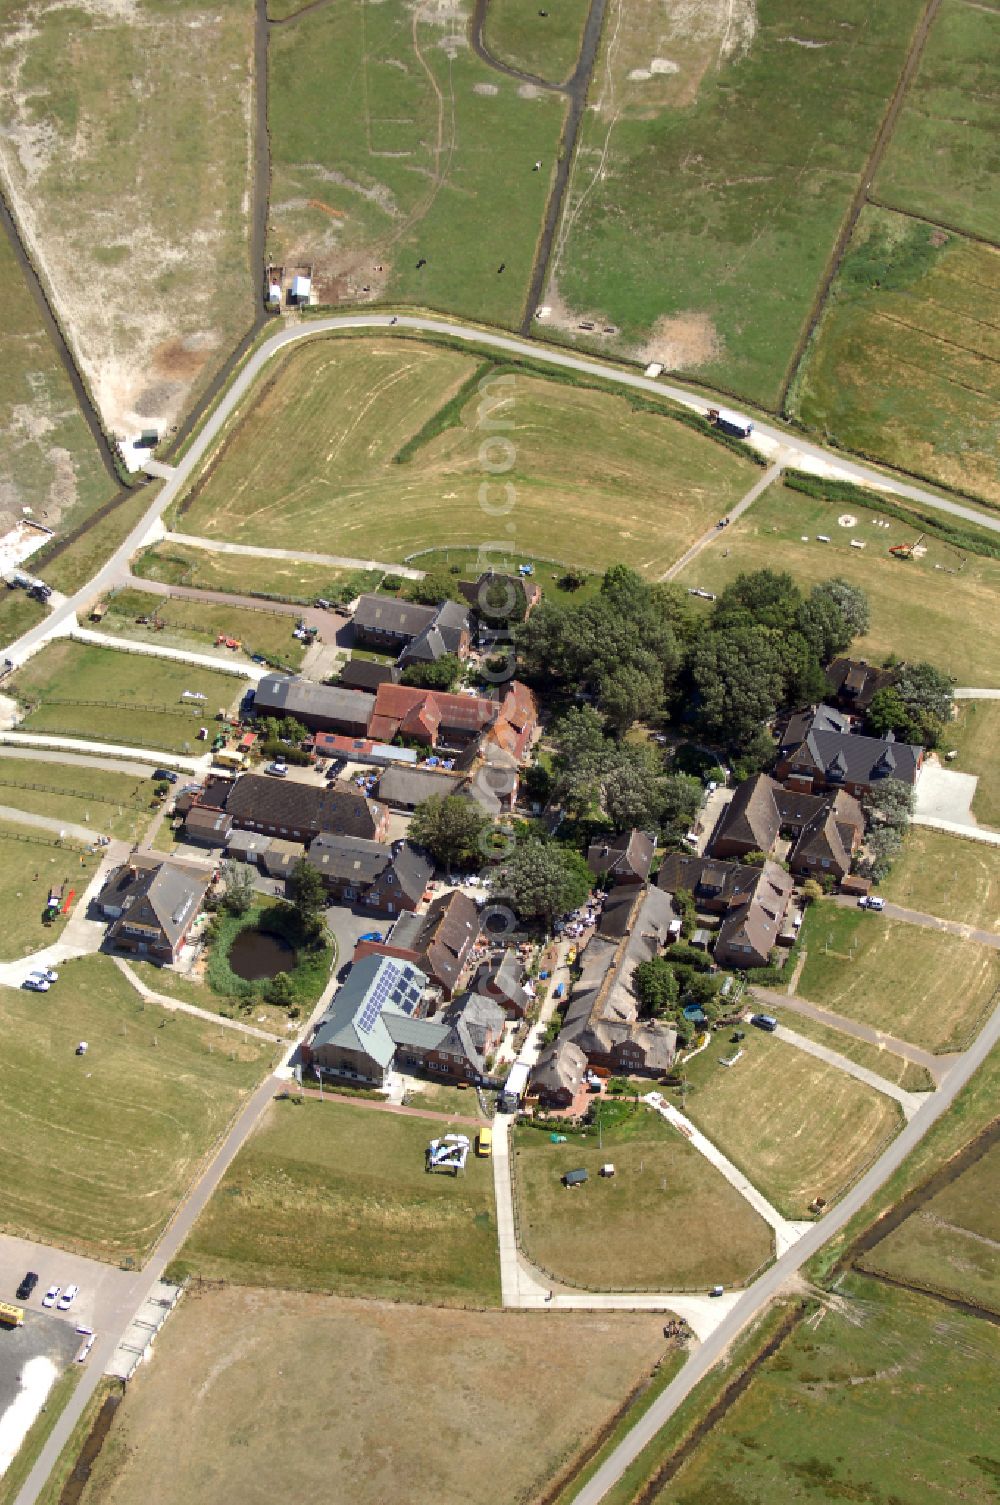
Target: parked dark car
{"x": 165, "y": 773}
{"x": 27, "y": 1285}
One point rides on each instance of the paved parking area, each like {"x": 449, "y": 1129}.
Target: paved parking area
{"x": 32, "y": 1358}
{"x": 944, "y": 794}
{"x": 101, "y": 1286}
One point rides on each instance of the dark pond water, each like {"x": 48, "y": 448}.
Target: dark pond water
{"x": 255, "y": 954}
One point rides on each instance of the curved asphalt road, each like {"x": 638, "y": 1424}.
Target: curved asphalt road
{"x": 117, "y": 565}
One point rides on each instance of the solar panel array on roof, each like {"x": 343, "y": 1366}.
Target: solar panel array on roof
{"x": 376, "y": 1000}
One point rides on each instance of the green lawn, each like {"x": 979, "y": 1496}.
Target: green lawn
{"x": 327, "y": 1197}
{"x": 32, "y": 862}
{"x": 197, "y": 624}
{"x": 155, "y": 95}
{"x": 113, "y": 803}
{"x": 924, "y": 986}
{"x": 194, "y": 989}
{"x": 392, "y": 144}
{"x": 943, "y": 159}
{"x": 18, "y": 614}
{"x": 120, "y": 1132}
{"x": 798, "y": 1128}
{"x": 886, "y": 1397}
{"x": 947, "y": 876}
{"x": 71, "y": 569}
{"x": 48, "y": 458}
{"x": 665, "y": 1221}
{"x": 547, "y": 45}
{"x": 944, "y": 607}
{"x": 903, "y": 366}
{"x": 975, "y": 733}
{"x": 286, "y": 579}
{"x": 471, "y": 563}
{"x": 950, "y": 1244}
{"x": 716, "y": 162}
{"x": 80, "y": 690}
{"x": 591, "y": 481}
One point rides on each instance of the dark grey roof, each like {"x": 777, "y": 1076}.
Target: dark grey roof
{"x": 350, "y": 858}
{"x": 169, "y": 892}
{"x": 301, "y": 697}
{"x": 367, "y": 674}
{"x": 630, "y": 853}
{"x": 403, "y": 619}
{"x": 297, "y": 806}
{"x": 413, "y": 871}
{"x": 863, "y": 760}
{"x": 411, "y": 786}
{"x": 561, "y": 1068}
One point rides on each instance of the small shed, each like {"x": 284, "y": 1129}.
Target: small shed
{"x": 274, "y": 293}
{"x": 574, "y": 1178}
{"x": 301, "y": 289}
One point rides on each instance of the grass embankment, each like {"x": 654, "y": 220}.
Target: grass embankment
{"x": 31, "y": 863}
{"x": 545, "y": 43}
{"x": 885, "y": 1395}
{"x": 948, "y": 876}
{"x": 739, "y": 202}
{"x": 105, "y": 695}
{"x": 120, "y": 1131}
{"x": 976, "y": 734}
{"x": 113, "y": 803}
{"x": 327, "y": 1197}
{"x": 924, "y": 986}
{"x": 798, "y": 1128}
{"x": 402, "y": 165}
{"x": 433, "y": 1397}
{"x": 903, "y": 366}
{"x": 944, "y": 607}
{"x": 666, "y": 1220}
{"x": 176, "y": 563}
{"x": 950, "y": 1244}
{"x": 197, "y": 624}
{"x": 49, "y": 460}
{"x": 594, "y": 479}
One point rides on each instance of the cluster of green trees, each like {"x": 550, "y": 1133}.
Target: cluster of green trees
{"x": 888, "y": 811}
{"x": 442, "y": 675}
{"x": 916, "y": 708}
{"x": 668, "y": 984}
{"x": 626, "y": 782}
{"x": 638, "y": 650}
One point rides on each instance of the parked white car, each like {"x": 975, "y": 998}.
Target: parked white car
{"x": 49, "y": 1299}
{"x": 67, "y": 1298}
{"x": 871, "y": 901}
{"x": 45, "y": 973}
{"x": 36, "y": 984}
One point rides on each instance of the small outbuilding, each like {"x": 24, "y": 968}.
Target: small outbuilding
{"x": 301, "y": 290}
{"x": 575, "y": 1178}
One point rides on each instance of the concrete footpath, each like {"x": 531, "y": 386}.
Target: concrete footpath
{"x": 908, "y": 1101}
{"x": 334, "y": 561}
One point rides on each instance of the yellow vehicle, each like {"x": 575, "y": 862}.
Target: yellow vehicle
{"x": 484, "y": 1144}
{"x": 11, "y": 1316}
{"x": 229, "y": 759}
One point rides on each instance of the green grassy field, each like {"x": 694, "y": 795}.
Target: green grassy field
{"x": 269, "y": 1368}
{"x": 905, "y": 1074}
{"x": 593, "y": 480}
{"x": 918, "y": 608}
{"x": 71, "y": 570}
{"x": 950, "y": 1243}
{"x": 156, "y": 95}
{"x": 327, "y": 1197}
{"x": 685, "y": 162}
{"x": 947, "y": 876}
{"x": 286, "y": 579}
{"x": 71, "y": 687}
{"x": 903, "y": 366}
{"x": 392, "y": 144}
{"x": 943, "y": 159}
{"x": 48, "y": 458}
{"x": 31, "y": 862}
{"x": 193, "y": 989}
{"x": 113, "y": 803}
{"x": 798, "y": 1128}
{"x": 923, "y": 986}
{"x": 121, "y": 1131}
{"x": 666, "y": 1220}
{"x": 197, "y": 624}
{"x": 975, "y": 732}
{"x": 18, "y": 614}
{"x": 470, "y": 565}
{"x": 517, "y": 33}
{"x": 884, "y": 1396}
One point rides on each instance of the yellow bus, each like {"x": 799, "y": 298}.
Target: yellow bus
{"x": 11, "y": 1316}
{"x": 229, "y": 759}
{"x": 484, "y": 1143}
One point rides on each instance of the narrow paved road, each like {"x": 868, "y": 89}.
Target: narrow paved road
{"x": 334, "y": 561}
{"x": 957, "y": 828}
{"x": 936, "y": 1065}
{"x": 178, "y": 1006}
{"x": 929, "y": 921}
{"x": 718, "y": 535}
{"x": 794, "y": 447}
{"x": 965, "y": 693}
{"x": 753, "y": 1301}
{"x": 81, "y": 760}
{"x": 86, "y": 834}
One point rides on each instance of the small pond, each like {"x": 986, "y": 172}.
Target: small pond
{"x": 256, "y": 953}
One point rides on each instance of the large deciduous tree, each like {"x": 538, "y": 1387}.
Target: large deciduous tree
{"x": 452, "y": 828}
